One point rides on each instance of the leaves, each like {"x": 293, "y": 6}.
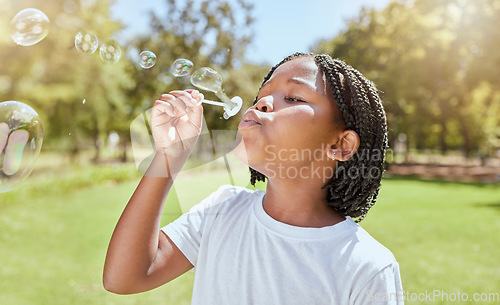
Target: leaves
{"x": 430, "y": 58}
{"x": 54, "y": 78}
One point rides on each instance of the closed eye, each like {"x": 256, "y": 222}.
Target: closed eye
{"x": 294, "y": 99}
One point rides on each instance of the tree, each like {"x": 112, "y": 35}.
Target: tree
{"x": 431, "y": 59}
{"x": 54, "y": 78}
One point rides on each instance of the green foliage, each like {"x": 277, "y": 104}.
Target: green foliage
{"x": 431, "y": 59}
{"x": 211, "y": 34}
{"x": 53, "y": 78}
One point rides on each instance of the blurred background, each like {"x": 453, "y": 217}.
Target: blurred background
{"x": 435, "y": 62}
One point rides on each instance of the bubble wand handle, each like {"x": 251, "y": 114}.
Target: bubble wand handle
{"x": 213, "y": 103}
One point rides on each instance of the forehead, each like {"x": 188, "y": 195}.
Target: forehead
{"x": 304, "y": 71}
{"x": 303, "y": 67}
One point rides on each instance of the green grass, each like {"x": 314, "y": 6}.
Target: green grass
{"x": 53, "y": 243}
{"x": 444, "y": 235}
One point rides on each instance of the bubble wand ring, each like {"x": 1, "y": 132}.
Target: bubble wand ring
{"x": 208, "y": 79}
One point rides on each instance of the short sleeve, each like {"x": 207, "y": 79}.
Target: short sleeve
{"x": 385, "y": 288}
{"x": 186, "y": 232}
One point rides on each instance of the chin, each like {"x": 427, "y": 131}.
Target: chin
{"x": 249, "y": 154}
{"x": 240, "y": 150}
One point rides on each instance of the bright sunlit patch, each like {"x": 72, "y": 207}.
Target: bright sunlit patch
{"x": 171, "y": 133}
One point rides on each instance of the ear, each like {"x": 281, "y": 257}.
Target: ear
{"x": 345, "y": 147}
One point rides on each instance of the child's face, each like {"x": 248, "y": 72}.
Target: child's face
{"x": 293, "y": 122}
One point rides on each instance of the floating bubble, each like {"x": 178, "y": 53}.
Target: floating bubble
{"x": 110, "y": 52}
{"x": 21, "y": 138}
{"x": 29, "y": 26}
{"x": 84, "y": 101}
{"x": 208, "y": 79}
{"x": 147, "y": 59}
{"x": 86, "y": 43}
{"x": 181, "y": 67}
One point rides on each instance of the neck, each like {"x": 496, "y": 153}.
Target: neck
{"x": 299, "y": 203}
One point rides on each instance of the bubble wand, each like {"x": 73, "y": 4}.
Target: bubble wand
{"x": 208, "y": 79}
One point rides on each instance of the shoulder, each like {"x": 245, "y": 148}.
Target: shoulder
{"x": 226, "y": 197}
{"x": 366, "y": 252}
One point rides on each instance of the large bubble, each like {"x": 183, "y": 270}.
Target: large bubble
{"x": 21, "y": 138}
{"x": 181, "y": 67}
{"x": 110, "y": 52}
{"x": 147, "y": 59}
{"x": 207, "y": 79}
{"x": 29, "y": 26}
{"x": 86, "y": 43}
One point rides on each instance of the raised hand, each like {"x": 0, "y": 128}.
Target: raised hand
{"x": 176, "y": 122}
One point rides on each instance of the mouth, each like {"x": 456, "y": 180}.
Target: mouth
{"x": 250, "y": 119}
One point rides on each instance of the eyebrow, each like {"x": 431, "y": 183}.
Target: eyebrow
{"x": 301, "y": 82}
{"x": 297, "y": 81}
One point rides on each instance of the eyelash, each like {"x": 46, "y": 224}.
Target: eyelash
{"x": 293, "y": 99}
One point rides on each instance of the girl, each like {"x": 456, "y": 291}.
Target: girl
{"x": 317, "y": 132}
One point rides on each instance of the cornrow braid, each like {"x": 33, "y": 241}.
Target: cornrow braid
{"x": 354, "y": 188}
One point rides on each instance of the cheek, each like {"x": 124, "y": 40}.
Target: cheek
{"x": 305, "y": 129}
{"x": 298, "y": 121}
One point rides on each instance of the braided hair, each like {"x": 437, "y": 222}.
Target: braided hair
{"x": 355, "y": 186}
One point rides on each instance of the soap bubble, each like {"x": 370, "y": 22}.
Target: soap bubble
{"x": 147, "y": 59}
{"x": 86, "y": 43}
{"x": 110, "y": 52}
{"x": 21, "y": 138}
{"x": 207, "y": 79}
{"x": 29, "y": 26}
{"x": 181, "y": 67}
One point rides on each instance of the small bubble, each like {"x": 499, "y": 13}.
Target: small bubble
{"x": 181, "y": 67}
{"x": 86, "y": 43}
{"x": 147, "y": 59}
{"x": 84, "y": 101}
{"x": 110, "y": 52}
{"x": 29, "y": 27}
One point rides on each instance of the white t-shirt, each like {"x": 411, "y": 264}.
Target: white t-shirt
{"x": 244, "y": 256}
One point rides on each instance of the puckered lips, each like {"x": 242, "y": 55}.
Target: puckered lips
{"x": 250, "y": 119}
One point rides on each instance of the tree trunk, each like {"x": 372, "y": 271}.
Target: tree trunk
{"x": 442, "y": 136}
{"x": 97, "y": 144}
{"x": 125, "y": 139}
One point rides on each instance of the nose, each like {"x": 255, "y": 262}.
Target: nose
{"x": 264, "y": 104}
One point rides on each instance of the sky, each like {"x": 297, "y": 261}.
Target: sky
{"x": 281, "y": 27}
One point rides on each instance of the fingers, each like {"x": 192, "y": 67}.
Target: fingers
{"x": 161, "y": 106}
{"x": 182, "y": 102}
{"x": 198, "y": 96}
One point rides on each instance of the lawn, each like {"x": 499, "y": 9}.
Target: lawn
{"x": 53, "y": 243}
